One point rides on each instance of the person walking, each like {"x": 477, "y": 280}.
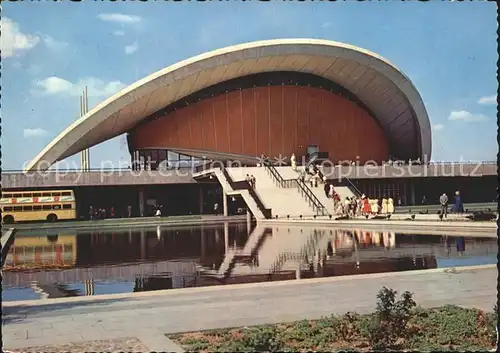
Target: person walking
{"x": 443, "y": 201}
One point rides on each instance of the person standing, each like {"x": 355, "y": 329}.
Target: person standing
{"x": 459, "y": 206}
{"x": 293, "y": 161}
{"x": 129, "y": 211}
{"x": 327, "y": 190}
{"x": 443, "y": 201}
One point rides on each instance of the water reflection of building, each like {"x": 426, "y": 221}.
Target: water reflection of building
{"x": 165, "y": 258}
{"x": 293, "y": 252}
{"x": 58, "y": 250}
{"x": 147, "y": 256}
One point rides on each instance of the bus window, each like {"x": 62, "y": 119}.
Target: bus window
{"x": 18, "y": 208}
{"x": 56, "y": 207}
{"x": 27, "y": 208}
{"x": 56, "y": 194}
{"x": 37, "y": 194}
{"x": 7, "y": 196}
{"x": 44, "y": 194}
{"x": 46, "y": 207}
{"x": 37, "y": 207}
{"x": 67, "y": 206}
{"x": 7, "y": 209}
{"x": 17, "y": 195}
{"x": 65, "y": 193}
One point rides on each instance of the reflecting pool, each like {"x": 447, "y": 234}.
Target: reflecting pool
{"x": 78, "y": 263}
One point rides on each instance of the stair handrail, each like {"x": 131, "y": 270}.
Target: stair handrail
{"x": 271, "y": 169}
{"x": 244, "y": 185}
{"x": 316, "y": 203}
{"x": 357, "y": 192}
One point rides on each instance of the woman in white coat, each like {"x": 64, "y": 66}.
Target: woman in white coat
{"x": 384, "y": 206}
{"x": 293, "y": 161}
{"x": 390, "y": 205}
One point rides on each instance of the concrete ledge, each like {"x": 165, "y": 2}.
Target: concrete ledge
{"x": 131, "y": 222}
{"x": 208, "y": 289}
{"x": 390, "y": 225}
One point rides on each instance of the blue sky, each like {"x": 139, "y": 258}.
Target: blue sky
{"x": 50, "y": 50}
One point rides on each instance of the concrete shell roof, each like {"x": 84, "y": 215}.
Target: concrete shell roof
{"x": 385, "y": 90}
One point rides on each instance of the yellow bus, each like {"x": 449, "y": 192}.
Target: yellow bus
{"x": 47, "y": 205}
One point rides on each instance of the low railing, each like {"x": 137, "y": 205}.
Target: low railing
{"x": 313, "y": 200}
{"x": 244, "y": 185}
{"x": 354, "y": 188}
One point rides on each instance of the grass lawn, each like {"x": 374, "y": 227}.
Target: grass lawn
{"x": 396, "y": 325}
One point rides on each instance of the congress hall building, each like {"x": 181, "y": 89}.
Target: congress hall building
{"x": 275, "y": 97}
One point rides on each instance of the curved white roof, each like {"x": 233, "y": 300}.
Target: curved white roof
{"x": 385, "y": 90}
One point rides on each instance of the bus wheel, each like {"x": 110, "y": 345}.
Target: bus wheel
{"x": 8, "y": 219}
{"x": 51, "y": 217}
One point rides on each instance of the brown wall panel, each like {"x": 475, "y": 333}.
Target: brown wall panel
{"x": 302, "y": 119}
{"x": 235, "y": 125}
{"x": 275, "y": 120}
{"x": 172, "y": 130}
{"x": 249, "y": 122}
{"x": 324, "y": 116}
{"x": 184, "y": 126}
{"x": 290, "y": 118}
{"x": 221, "y": 126}
{"x": 262, "y": 103}
{"x": 207, "y": 109}
{"x": 276, "y": 115}
{"x": 196, "y": 126}
{"x": 314, "y": 119}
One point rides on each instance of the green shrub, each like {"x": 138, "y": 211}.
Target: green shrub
{"x": 262, "y": 339}
{"x": 390, "y": 322}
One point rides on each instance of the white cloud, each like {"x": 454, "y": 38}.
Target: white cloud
{"x": 53, "y": 43}
{"x": 488, "y": 100}
{"x": 119, "y": 17}
{"x": 130, "y": 49}
{"x": 465, "y": 116}
{"x": 118, "y": 33}
{"x": 37, "y": 132}
{"x": 13, "y": 41}
{"x": 96, "y": 87}
{"x": 326, "y": 25}
{"x": 438, "y": 127}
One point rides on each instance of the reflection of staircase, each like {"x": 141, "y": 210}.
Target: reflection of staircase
{"x": 246, "y": 256}
{"x": 48, "y": 291}
{"x": 310, "y": 246}
{"x": 255, "y": 241}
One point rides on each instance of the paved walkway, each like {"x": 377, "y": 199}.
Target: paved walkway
{"x": 145, "y": 317}
{"x": 458, "y": 228}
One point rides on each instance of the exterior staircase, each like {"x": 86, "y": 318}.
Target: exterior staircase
{"x": 282, "y": 201}
{"x": 240, "y": 187}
